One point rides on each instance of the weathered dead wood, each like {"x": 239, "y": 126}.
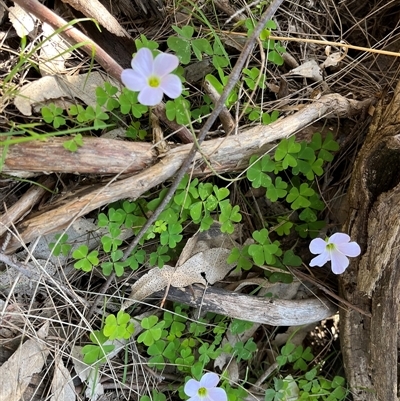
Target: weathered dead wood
{"x": 225, "y": 116}
{"x": 96, "y": 156}
{"x": 25, "y": 203}
{"x": 122, "y": 51}
{"x": 94, "y": 9}
{"x": 275, "y": 312}
{"x": 372, "y": 282}
{"x": 180, "y": 130}
{"x": 223, "y": 154}
{"x": 72, "y": 35}
{"x": 107, "y": 156}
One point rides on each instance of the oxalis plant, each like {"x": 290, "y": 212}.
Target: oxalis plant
{"x": 288, "y": 177}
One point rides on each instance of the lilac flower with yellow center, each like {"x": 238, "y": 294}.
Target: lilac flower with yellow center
{"x": 152, "y": 77}
{"x": 206, "y": 389}
{"x": 336, "y": 249}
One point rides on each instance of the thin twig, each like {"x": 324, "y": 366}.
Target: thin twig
{"x": 72, "y": 34}
{"x": 297, "y": 273}
{"x": 21, "y": 268}
{"x": 233, "y": 79}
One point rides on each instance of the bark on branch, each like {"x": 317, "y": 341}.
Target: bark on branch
{"x": 224, "y": 155}
{"x": 275, "y": 312}
{"x": 372, "y": 282}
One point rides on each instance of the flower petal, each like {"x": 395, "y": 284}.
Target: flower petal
{"x": 351, "y": 249}
{"x": 150, "y": 96}
{"x": 164, "y": 63}
{"x": 209, "y": 380}
{"x": 317, "y": 245}
{"x": 191, "y": 388}
{"x": 133, "y": 81}
{"x": 143, "y": 62}
{"x": 320, "y": 260}
{"x": 171, "y": 85}
{"x": 339, "y": 262}
{"x": 339, "y": 238}
{"x": 216, "y": 394}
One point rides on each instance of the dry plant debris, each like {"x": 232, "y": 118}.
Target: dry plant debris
{"x": 318, "y": 87}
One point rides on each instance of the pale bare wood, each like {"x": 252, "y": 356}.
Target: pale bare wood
{"x": 275, "y": 312}
{"x": 25, "y": 203}
{"x": 224, "y": 154}
{"x": 96, "y": 156}
{"x": 92, "y": 49}
{"x": 225, "y": 116}
{"x": 372, "y": 282}
{"x": 107, "y": 156}
{"x": 72, "y": 35}
{"x": 94, "y": 9}
{"x": 180, "y": 130}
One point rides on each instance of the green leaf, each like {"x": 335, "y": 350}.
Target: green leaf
{"x": 229, "y": 215}
{"x": 275, "y": 57}
{"x": 181, "y": 47}
{"x": 338, "y": 381}
{"x": 290, "y": 259}
{"x": 172, "y": 237}
{"x": 310, "y": 229}
{"x": 311, "y": 374}
{"x": 129, "y": 104}
{"x": 299, "y": 197}
{"x": 81, "y": 252}
{"x": 196, "y": 210}
{"x": 221, "y": 193}
{"x": 60, "y": 245}
{"x": 286, "y": 151}
{"x": 157, "y": 348}
{"x": 330, "y": 143}
{"x": 270, "y": 395}
{"x": 220, "y": 57}
{"x": 186, "y": 31}
{"x": 288, "y": 349}
{"x": 277, "y": 277}
{"x": 149, "y": 322}
{"x": 256, "y": 171}
{"x": 171, "y": 350}
{"x": 241, "y": 258}
{"x": 244, "y": 351}
{"x": 144, "y": 42}
{"x": 240, "y": 326}
{"x": 308, "y": 215}
{"x": 92, "y": 258}
{"x": 200, "y": 46}
{"x": 118, "y": 327}
{"x": 107, "y": 268}
{"x": 274, "y": 192}
{"x": 284, "y": 226}
{"x": 206, "y": 222}
{"x": 178, "y": 110}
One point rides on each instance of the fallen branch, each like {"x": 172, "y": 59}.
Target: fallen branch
{"x": 24, "y": 205}
{"x": 96, "y": 156}
{"x": 372, "y": 282}
{"x": 275, "y": 312}
{"x": 224, "y": 154}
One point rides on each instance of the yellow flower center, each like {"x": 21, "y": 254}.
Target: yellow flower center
{"x": 202, "y": 392}
{"x": 331, "y": 247}
{"x": 154, "y": 82}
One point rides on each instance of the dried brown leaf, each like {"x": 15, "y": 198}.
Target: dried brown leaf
{"x": 205, "y": 267}
{"x": 17, "y": 372}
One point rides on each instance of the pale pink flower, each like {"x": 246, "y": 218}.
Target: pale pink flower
{"x": 336, "y": 249}
{"x": 206, "y": 389}
{"x": 152, "y": 77}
